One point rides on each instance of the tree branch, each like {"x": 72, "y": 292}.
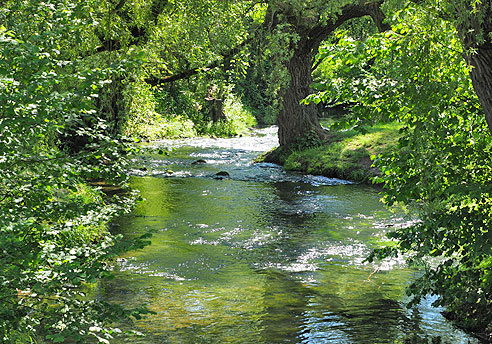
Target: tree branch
{"x": 316, "y": 64}
{"x": 186, "y": 74}
{"x": 320, "y": 33}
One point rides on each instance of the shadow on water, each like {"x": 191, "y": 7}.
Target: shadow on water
{"x": 262, "y": 257}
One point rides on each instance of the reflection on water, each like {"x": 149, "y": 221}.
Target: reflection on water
{"x": 262, "y": 257}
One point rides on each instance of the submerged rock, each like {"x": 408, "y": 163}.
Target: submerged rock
{"x": 199, "y": 162}
{"x": 221, "y": 175}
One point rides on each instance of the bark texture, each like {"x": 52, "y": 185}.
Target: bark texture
{"x": 480, "y": 58}
{"x": 297, "y": 120}
{"x": 478, "y": 51}
{"x": 481, "y": 76}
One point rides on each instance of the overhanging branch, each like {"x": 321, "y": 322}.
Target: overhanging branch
{"x": 186, "y": 74}
{"x": 321, "y": 32}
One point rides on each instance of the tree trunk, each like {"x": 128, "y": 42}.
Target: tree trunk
{"x": 295, "y": 120}
{"x": 481, "y": 76}
{"x": 216, "y": 109}
{"x": 298, "y": 121}
{"x": 479, "y": 53}
{"x": 215, "y": 103}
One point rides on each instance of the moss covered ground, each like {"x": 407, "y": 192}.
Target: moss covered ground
{"x": 347, "y": 154}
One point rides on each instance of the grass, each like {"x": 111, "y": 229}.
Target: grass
{"x": 347, "y": 154}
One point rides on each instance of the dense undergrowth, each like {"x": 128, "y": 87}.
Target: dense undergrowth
{"x": 55, "y": 147}
{"x": 175, "y": 113}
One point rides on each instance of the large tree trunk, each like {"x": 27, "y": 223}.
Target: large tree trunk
{"x": 481, "y": 76}
{"x": 295, "y": 120}
{"x": 479, "y": 53}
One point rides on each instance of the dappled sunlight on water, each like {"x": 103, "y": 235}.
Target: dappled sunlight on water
{"x": 262, "y": 256}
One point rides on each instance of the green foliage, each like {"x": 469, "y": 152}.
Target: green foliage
{"x": 443, "y": 170}
{"x": 53, "y": 226}
{"x": 183, "y": 36}
{"x": 267, "y": 76}
{"x": 391, "y": 75}
{"x": 193, "y": 34}
{"x": 71, "y": 82}
{"x": 154, "y": 115}
{"x": 442, "y": 165}
{"x": 238, "y": 120}
{"x": 171, "y": 113}
{"x": 256, "y": 93}
{"x": 176, "y": 100}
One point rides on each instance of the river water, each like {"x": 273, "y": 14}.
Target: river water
{"x": 261, "y": 255}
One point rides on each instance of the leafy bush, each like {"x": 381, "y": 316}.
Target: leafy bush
{"x": 442, "y": 166}
{"x": 53, "y": 226}
{"x": 145, "y": 122}
{"x": 238, "y": 120}
{"x": 443, "y": 170}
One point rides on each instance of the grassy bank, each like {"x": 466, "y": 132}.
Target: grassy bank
{"x": 346, "y": 155}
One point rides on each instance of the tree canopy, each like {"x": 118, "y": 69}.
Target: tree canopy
{"x": 75, "y": 76}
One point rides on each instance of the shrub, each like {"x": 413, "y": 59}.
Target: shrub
{"x": 238, "y": 120}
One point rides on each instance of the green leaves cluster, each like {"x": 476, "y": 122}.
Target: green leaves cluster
{"x": 416, "y": 74}
{"x": 442, "y": 170}
{"x": 394, "y": 74}
{"x": 54, "y": 140}
{"x": 194, "y": 34}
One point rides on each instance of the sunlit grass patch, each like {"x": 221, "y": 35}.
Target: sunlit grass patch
{"x": 347, "y": 154}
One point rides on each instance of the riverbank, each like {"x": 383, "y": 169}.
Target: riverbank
{"x": 346, "y": 155}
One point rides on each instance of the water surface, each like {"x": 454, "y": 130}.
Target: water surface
{"x": 262, "y": 256}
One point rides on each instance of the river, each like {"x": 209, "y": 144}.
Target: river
{"x": 262, "y": 255}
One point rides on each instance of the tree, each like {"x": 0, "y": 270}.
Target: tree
{"x": 293, "y": 31}
{"x": 481, "y": 74}
{"x": 473, "y": 20}
{"x": 416, "y": 74}
{"x": 54, "y": 225}
{"x": 309, "y": 24}
{"x": 313, "y": 22}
